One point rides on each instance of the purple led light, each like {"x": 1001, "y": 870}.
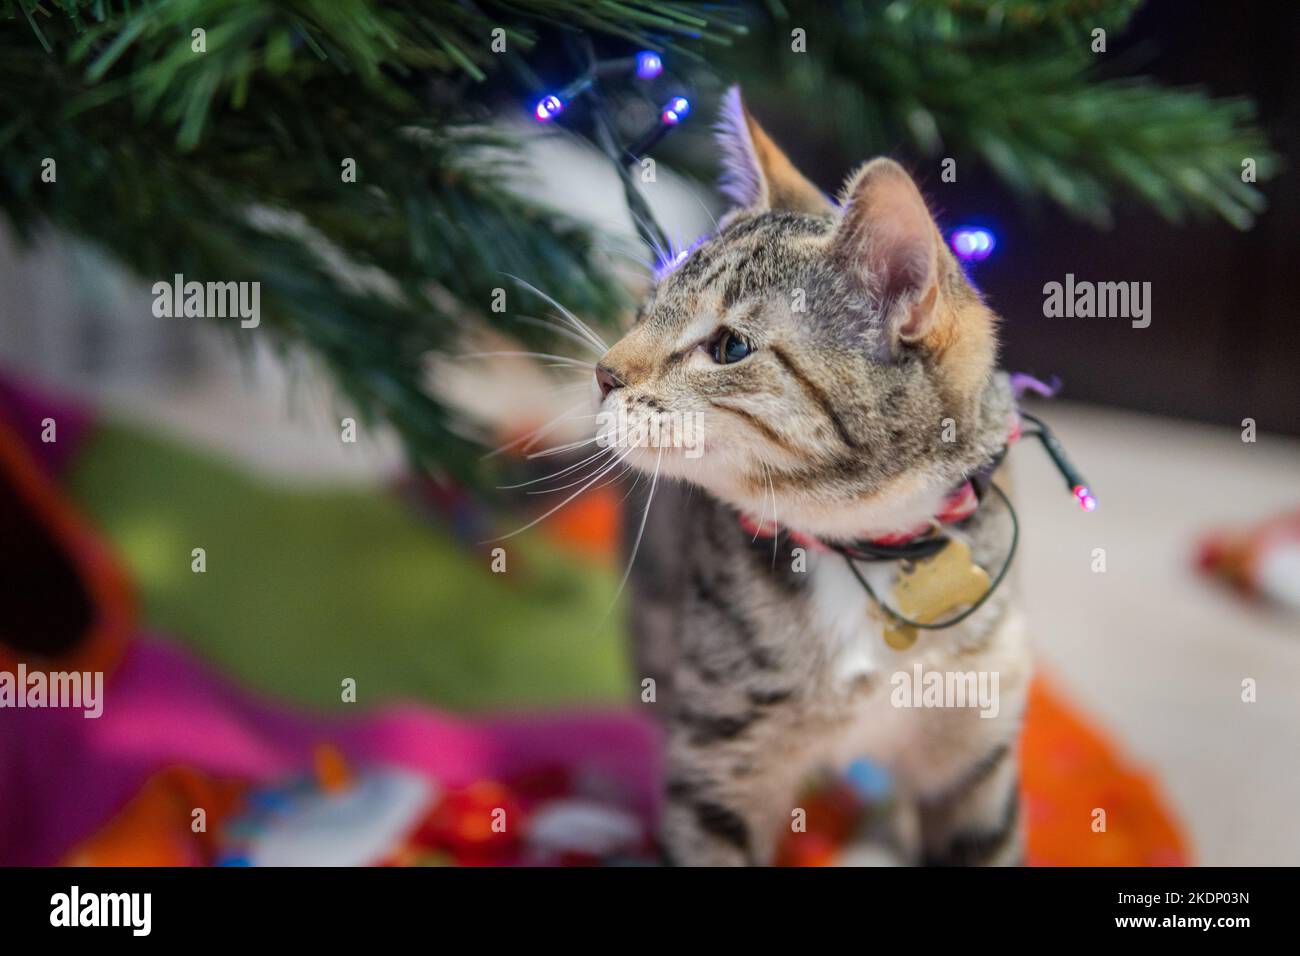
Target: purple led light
{"x": 1086, "y": 501}
{"x": 548, "y": 107}
{"x": 972, "y": 243}
{"x": 675, "y": 257}
{"x": 649, "y": 64}
{"x": 676, "y": 110}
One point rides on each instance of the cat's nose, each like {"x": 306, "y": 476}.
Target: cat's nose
{"x": 607, "y": 380}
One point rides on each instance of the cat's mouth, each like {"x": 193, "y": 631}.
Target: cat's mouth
{"x": 643, "y": 433}
{"x": 654, "y": 435}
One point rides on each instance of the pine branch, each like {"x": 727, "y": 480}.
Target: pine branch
{"x": 1014, "y": 85}
{"x": 192, "y": 163}
{"x": 226, "y": 164}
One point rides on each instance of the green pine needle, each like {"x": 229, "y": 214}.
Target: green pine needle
{"x": 226, "y": 164}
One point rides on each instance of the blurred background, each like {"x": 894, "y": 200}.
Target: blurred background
{"x": 1167, "y": 669}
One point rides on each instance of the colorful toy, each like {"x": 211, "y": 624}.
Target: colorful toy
{"x": 1262, "y": 561}
{"x": 322, "y": 821}
{"x": 392, "y": 817}
{"x": 401, "y": 785}
{"x": 845, "y": 821}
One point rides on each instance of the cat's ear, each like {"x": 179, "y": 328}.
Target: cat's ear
{"x": 756, "y": 174}
{"x": 889, "y": 240}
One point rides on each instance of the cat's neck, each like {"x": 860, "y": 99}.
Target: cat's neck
{"x": 912, "y": 499}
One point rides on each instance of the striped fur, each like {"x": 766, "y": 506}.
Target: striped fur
{"x": 870, "y": 350}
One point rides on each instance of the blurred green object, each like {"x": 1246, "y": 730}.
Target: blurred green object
{"x": 1019, "y": 87}
{"x": 306, "y": 588}
{"x": 365, "y": 160}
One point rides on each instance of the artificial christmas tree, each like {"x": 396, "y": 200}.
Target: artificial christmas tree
{"x": 347, "y": 154}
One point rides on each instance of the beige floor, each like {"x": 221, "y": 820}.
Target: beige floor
{"x": 1155, "y": 653}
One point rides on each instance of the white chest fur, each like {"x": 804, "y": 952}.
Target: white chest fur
{"x": 859, "y": 673}
{"x": 848, "y": 628}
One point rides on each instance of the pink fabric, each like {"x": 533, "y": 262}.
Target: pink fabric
{"x": 25, "y": 405}
{"x": 63, "y": 776}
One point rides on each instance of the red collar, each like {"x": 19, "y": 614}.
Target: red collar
{"x": 960, "y": 504}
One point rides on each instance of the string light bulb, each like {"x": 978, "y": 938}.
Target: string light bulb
{"x": 672, "y": 113}
{"x": 972, "y": 243}
{"x": 1073, "y": 480}
{"x": 675, "y": 110}
{"x": 548, "y": 107}
{"x": 649, "y": 65}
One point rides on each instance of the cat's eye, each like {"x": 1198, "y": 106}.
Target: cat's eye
{"x": 729, "y": 348}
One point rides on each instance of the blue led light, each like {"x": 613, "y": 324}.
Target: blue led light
{"x": 548, "y": 107}
{"x": 676, "y": 110}
{"x": 649, "y": 64}
{"x": 972, "y": 243}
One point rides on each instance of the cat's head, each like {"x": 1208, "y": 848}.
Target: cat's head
{"x": 826, "y": 363}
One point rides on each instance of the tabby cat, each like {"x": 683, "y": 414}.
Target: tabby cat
{"x": 843, "y": 369}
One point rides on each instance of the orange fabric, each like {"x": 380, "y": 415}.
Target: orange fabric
{"x": 1069, "y": 770}
{"x": 106, "y": 583}
{"x": 157, "y": 828}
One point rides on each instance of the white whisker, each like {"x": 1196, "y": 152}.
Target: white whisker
{"x": 762, "y": 516}
{"x": 639, "y": 260}
{"x": 532, "y": 442}
{"x": 547, "y": 491}
{"x": 635, "y": 483}
{"x": 707, "y": 211}
{"x": 565, "y": 359}
{"x": 526, "y": 440}
{"x": 536, "y": 521}
{"x": 636, "y": 545}
{"x": 585, "y": 384}
{"x": 567, "y": 333}
{"x": 559, "y": 474}
{"x": 581, "y": 327}
{"x": 561, "y": 449}
{"x": 776, "y": 522}
{"x": 611, "y": 480}
{"x": 660, "y": 252}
